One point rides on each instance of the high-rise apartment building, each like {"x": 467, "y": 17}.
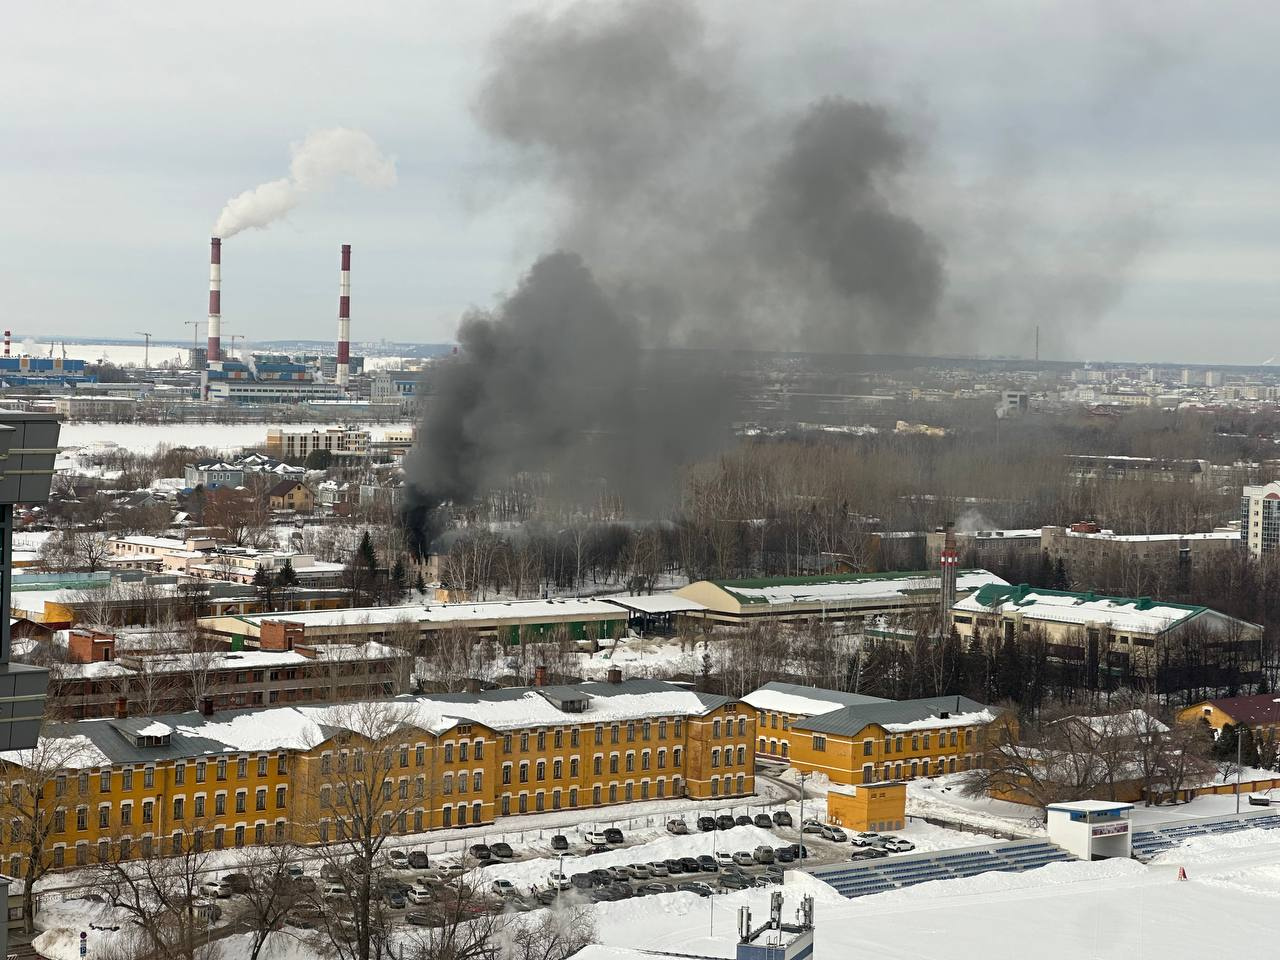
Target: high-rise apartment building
{"x": 1260, "y": 518}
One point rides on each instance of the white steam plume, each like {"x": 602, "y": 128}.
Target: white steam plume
{"x": 317, "y": 162}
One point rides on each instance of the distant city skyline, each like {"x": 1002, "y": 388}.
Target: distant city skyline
{"x": 128, "y": 128}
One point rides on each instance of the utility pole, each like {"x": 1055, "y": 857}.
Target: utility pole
{"x": 1239, "y": 748}
{"x": 800, "y": 850}
{"x": 146, "y": 354}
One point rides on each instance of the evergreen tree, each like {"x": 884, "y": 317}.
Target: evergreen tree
{"x": 287, "y": 577}
{"x": 264, "y": 586}
{"x": 1061, "y": 580}
{"x": 367, "y": 556}
{"x": 1009, "y": 674}
{"x": 398, "y": 581}
{"x": 420, "y": 584}
{"x": 1045, "y": 577}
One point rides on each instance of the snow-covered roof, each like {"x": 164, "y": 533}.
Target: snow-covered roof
{"x": 849, "y": 587}
{"x": 799, "y": 700}
{"x": 1231, "y": 535}
{"x": 1141, "y": 615}
{"x": 900, "y": 716}
{"x": 656, "y": 603}
{"x": 232, "y": 660}
{"x": 102, "y": 741}
{"x": 552, "y": 610}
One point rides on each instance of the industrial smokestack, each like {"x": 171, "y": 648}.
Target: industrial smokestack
{"x": 949, "y": 561}
{"x": 215, "y": 299}
{"x": 344, "y": 317}
{"x": 7, "y": 341}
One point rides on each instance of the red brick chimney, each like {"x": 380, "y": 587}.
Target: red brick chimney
{"x": 206, "y": 706}
{"x": 539, "y": 676}
{"x": 122, "y": 707}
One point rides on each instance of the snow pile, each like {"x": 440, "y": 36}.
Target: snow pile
{"x": 155, "y": 729}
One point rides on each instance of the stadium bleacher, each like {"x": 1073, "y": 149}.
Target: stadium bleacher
{"x": 1157, "y": 838}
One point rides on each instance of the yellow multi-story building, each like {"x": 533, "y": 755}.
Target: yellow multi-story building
{"x": 894, "y": 740}
{"x": 214, "y": 780}
{"x": 778, "y": 705}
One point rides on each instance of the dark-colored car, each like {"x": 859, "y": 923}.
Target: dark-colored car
{"x": 652, "y": 888}
{"x": 607, "y": 894}
{"x": 591, "y": 850}
{"x": 736, "y": 881}
{"x": 725, "y": 822}
{"x": 502, "y": 850}
{"x": 674, "y": 865}
{"x": 480, "y": 851}
{"x": 418, "y": 859}
{"x": 773, "y": 873}
{"x": 742, "y": 820}
{"x": 420, "y": 918}
{"x": 690, "y": 865}
{"x": 868, "y": 853}
{"x": 547, "y": 896}
{"x": 763, "y": 821}
{"x": 302, "y": 917}
{"x": 582, "y": 881}
{"x": 239, "y": 882}
{"x": 781, "y": 818}
{"x": 559, "y": 842}
{"x": 305, "y": 884}
{"x": 784, "y": 854}
{"x": 693, "y": 886}
{"x": 601, "y": 877}
{"x": 708, "y": 864}
{"x": 394, "y": 899}
{"x": 706, "y": 824}
{"x": 613, "y": 835}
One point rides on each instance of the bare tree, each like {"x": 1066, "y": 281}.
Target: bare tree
{"x": 554, "y": 934}
{"x": 273, "y": 893}
{"x": 44, "y": 785}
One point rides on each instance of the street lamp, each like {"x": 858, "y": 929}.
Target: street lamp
{"x": 800, "y": 851}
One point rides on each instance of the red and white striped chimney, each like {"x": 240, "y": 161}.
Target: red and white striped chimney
{"x": 215, "y": 299}
{"x": 7, "y": 340}
{"x": 344, "y": 318}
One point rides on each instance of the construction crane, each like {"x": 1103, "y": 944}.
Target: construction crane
{"x": 146, "y": 350}
{"x": 233, "y": 338}
{"x": 195, "y": 338}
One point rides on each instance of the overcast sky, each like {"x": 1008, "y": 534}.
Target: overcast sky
{"x": 125, "y": 127}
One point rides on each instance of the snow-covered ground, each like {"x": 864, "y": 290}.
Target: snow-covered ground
{"x": 1109, "y": 909}
{"x": 225, "y": 437}
{"x": 940, "y": 798}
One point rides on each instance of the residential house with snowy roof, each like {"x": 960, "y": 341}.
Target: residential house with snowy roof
{"x": 1118, "y": 639}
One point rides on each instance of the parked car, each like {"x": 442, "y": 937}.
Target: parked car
{"x": 677, "y": 826}
{"x": 736, "y": 881}
{"x": 763, "y": 854}
{"x": 813, "y": 826}
{"x": 867, "y": 840}
{"x": 419, "y": 895}
{"x": 503, "y": 888}
{"x": 600, "y": 877}
{"x": 725, "y": 822}
{"x": 395, "y": 899}
{"x": 333, "y": 891}
{"x": 398, "y": 860}
{"x": 743, "y": 859}
{"x": 305, "y": 884}
{"x": 659, "y": 868}
{"x": 830, "y": 832}
{"x": 502, "y": 850}
{"x": 216, "y": 888}
{"x": 724, "y": 857}
{"x": 707, "y": 863}
{"x": 607, "y": 894}
{"x": 674, "y": 865}
{"x": 451, "y": 869}
{"x": 618, "y": 874}
{"x": 294, "y": 871}
{"x": 595, "y": 838}
{"x": 653, "y": 888}
{"x": 773, "y": 874}
{"x": 690, "y": 865}
{"x": 781, "y": 818}
{"x": 868, "y": 853}
{"x": 784, "y": 854}
{"x": 420, "y": 918}
{"x": 302, "y": 919}
{"x": 558, "y": 881}
{"x": 582, "y": 881}
{"x": 599, "y": 848}
{"x": 547, "y": 896}
{"x": 240, "y": 882}
{"x": 706, "y": 824}
{"x": 480, "y": 851}
{"x": 639, "y": 871}
{"x": 559, "y": 842}
{"x": 693, "y": 886}
{"x": 613, "y": 835}
{"x": 418, "y": 859}
{"x": 898, "y": 845}
{"x": 763, "y": 821}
